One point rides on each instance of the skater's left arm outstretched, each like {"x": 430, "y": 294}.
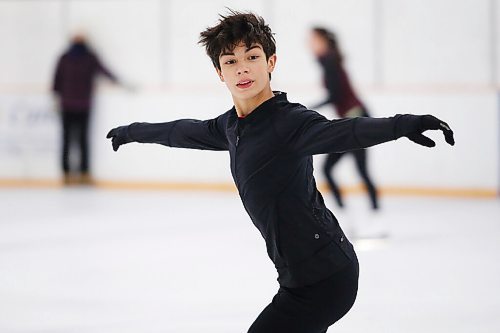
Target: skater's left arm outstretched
{"x": 310, "y": 133}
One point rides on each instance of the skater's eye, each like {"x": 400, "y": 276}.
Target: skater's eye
{"x": 230, "y": 62}
{"x": 253, "y": 57}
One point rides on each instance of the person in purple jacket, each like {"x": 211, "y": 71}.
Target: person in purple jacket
{"x": 73, "y": 84}
{"x": 270, "y": 142}
{"x": 341, "y": 96}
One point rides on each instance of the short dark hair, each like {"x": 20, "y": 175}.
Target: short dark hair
{"x": 234, "y": 28}
{"x": 331, "y": 39}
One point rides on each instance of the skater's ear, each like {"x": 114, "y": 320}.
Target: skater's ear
{"x": 271, "y": 63}
{"x": 219, "y": 73}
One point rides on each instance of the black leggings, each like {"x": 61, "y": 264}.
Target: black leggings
{"x": 75, "y": 128}
{"x": 360, "y": 157}
{"x": 310, "y": 309}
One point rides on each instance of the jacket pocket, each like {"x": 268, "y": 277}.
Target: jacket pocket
{"x": 323, "y": 221}
{"x": 325, "y": 218}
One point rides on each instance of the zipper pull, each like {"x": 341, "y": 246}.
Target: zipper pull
{"x": 237, "y": 140}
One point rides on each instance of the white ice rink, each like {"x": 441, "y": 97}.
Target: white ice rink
{"x": 81, "y": 260}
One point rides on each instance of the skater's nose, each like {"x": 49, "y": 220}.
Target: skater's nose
{"x": 243, "y": 70}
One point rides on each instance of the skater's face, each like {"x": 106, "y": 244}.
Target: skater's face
{"x": 318, "y": 44}
{"x": 245, "y": 70}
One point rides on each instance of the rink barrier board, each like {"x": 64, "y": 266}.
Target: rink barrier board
{"x": 229, "y": 187}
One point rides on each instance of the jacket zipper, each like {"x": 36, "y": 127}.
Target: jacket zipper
{"x": 238, "y": 135}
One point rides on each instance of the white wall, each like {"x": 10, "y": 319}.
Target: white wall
{"x": 31, "y": 38}
{"x": 439, "y": 42}
{"x": 412, "y": 56}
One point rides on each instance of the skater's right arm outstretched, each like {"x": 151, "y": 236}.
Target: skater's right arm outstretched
{"x": 184, "y": 133}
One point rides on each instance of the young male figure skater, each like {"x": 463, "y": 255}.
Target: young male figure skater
{"x": 271, "y": 142}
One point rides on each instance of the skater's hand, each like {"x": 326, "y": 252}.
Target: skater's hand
{"x": 429, "y": 122}
{"x": 119, "y": 136}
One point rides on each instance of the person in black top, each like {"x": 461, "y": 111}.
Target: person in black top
{"x": 270, "y": 143}
{"x": 73, "y": 84}
{"x": 341, "y": 96}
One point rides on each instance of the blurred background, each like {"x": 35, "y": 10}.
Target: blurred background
{"x": 403, "y": 57}
{"x": 128, "y": 254}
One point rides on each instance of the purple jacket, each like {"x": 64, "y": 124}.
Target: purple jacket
{"x": 74, "y": 77}
{"x": 340, "y": 92}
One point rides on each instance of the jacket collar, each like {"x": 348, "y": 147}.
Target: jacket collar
{"x": 263, "y": 108}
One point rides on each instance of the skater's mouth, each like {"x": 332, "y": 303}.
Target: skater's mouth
{"x": 243, "y": 84}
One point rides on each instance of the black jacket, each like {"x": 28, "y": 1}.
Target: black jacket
{"x": 271, "y": 163}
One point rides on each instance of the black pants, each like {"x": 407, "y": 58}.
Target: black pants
{"x": 75, "y": 131}
{"x": 360, "y": 157}
{"x": 310, "y": 309}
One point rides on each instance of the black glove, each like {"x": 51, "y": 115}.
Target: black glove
{"x": 413, "y": 126}
{"x": 119, "y": 136}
